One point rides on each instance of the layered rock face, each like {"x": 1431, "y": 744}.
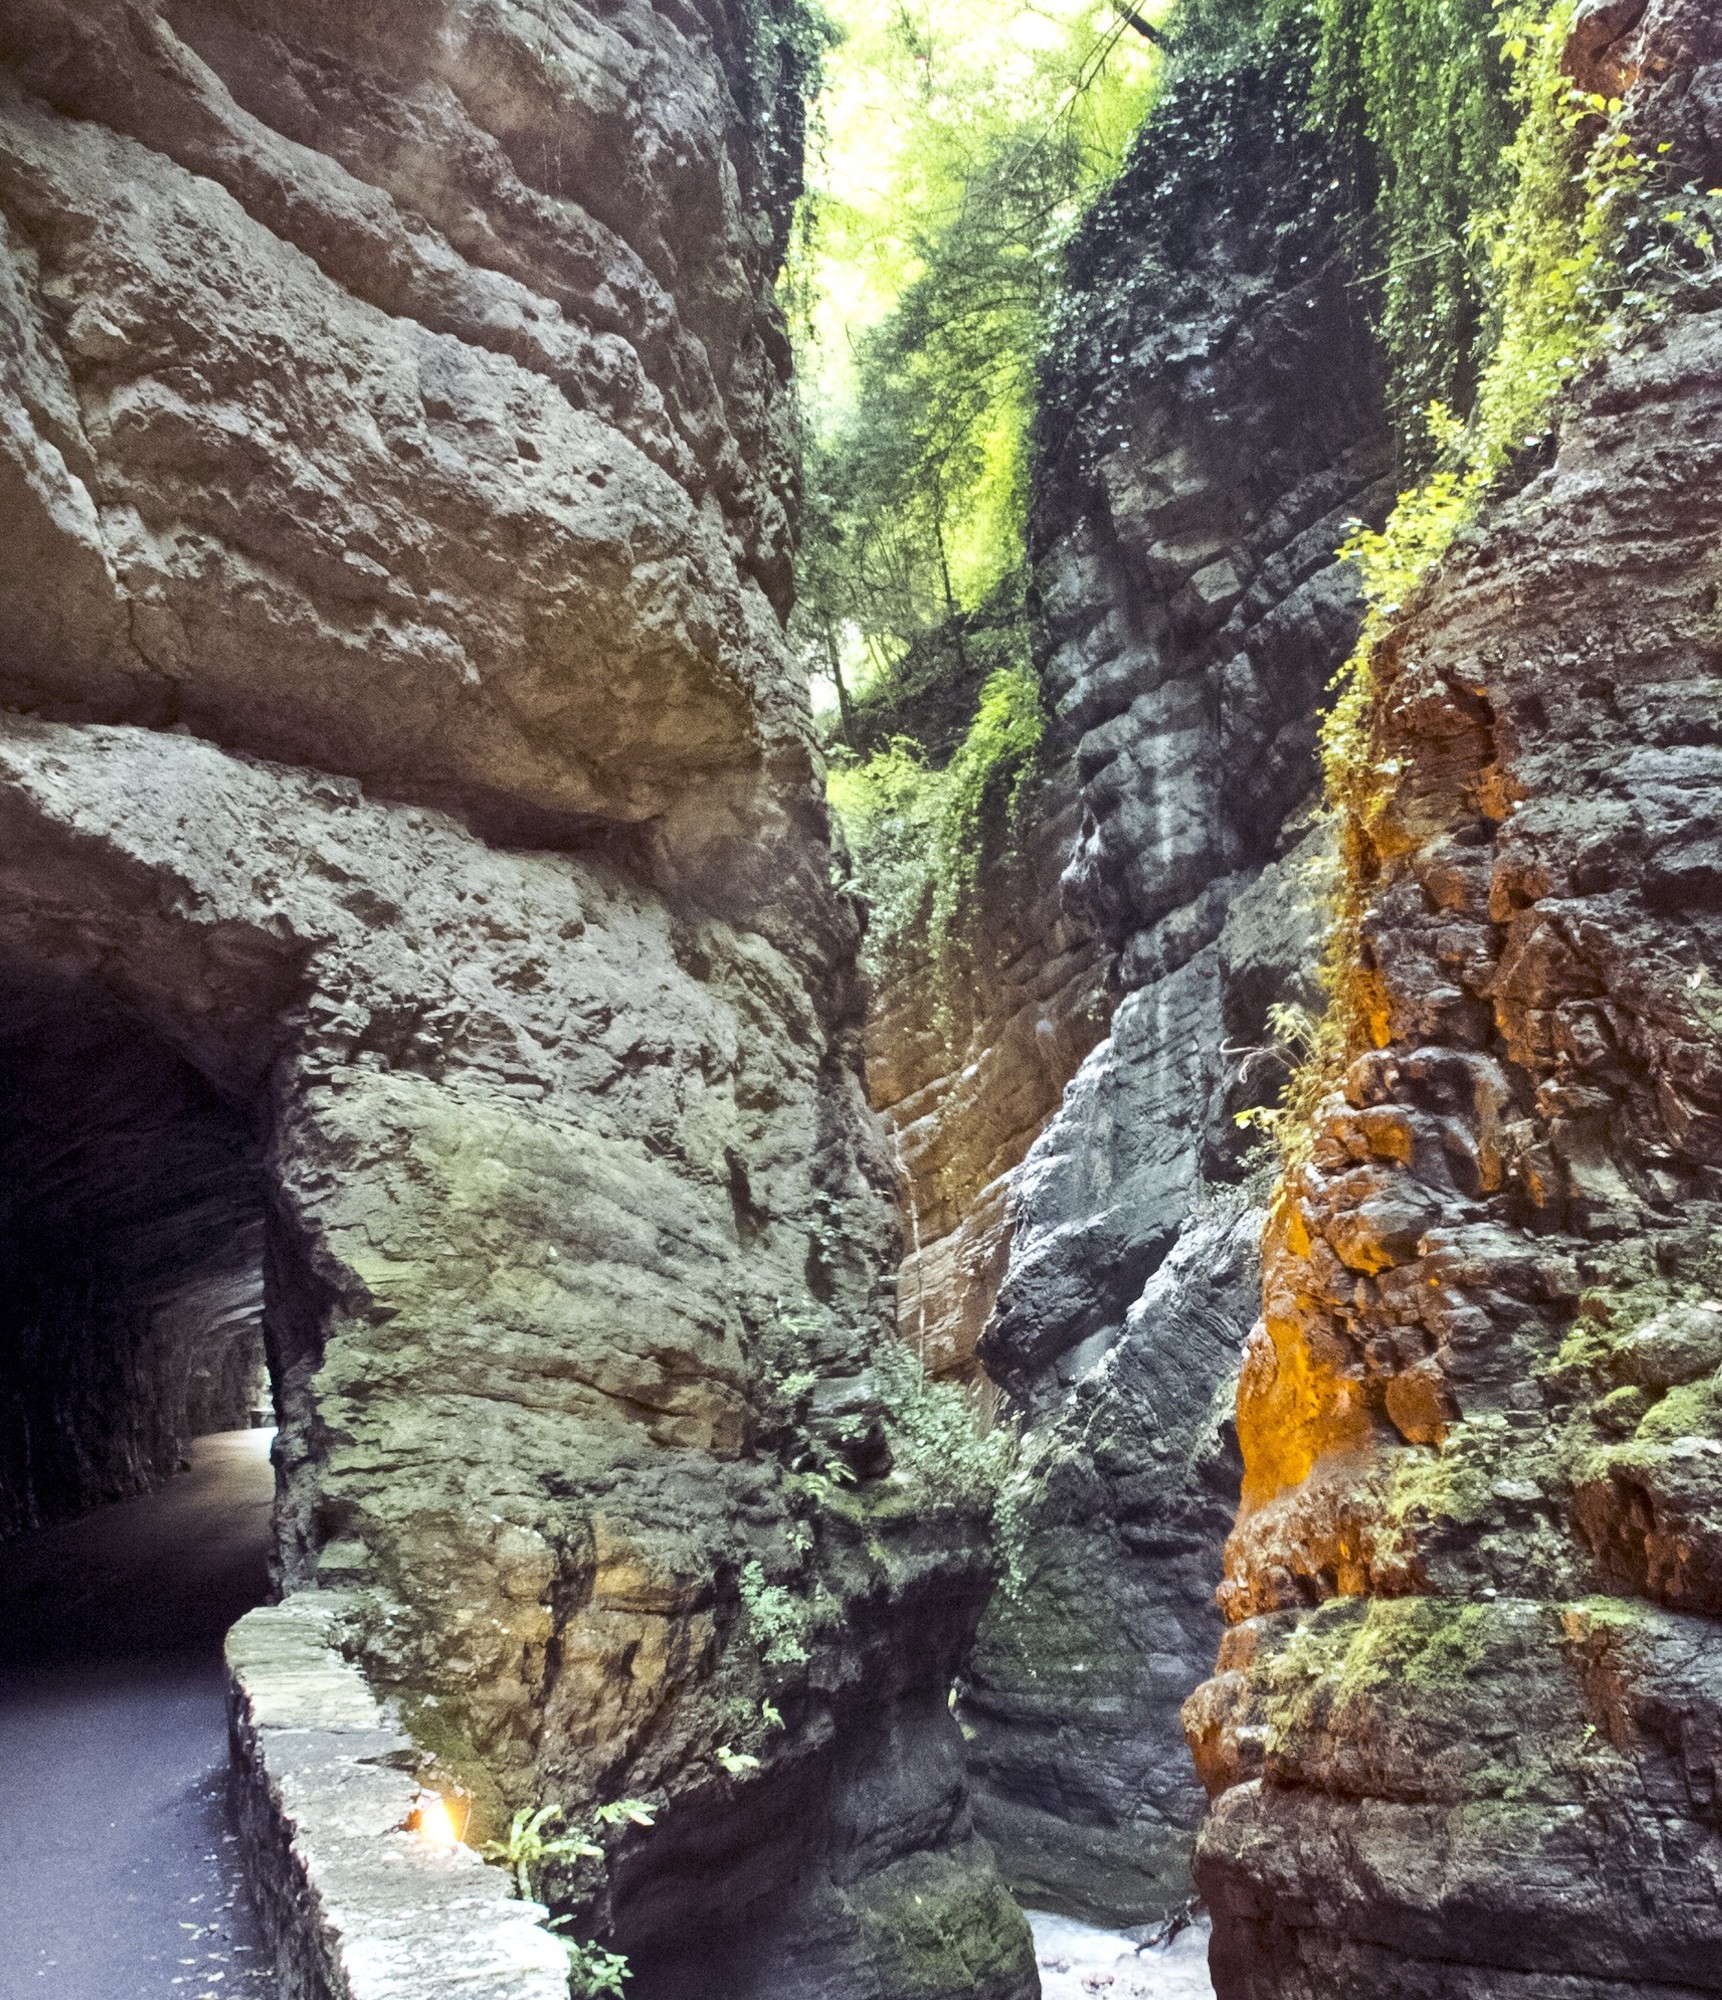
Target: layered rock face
{"x": 1212, "y": 421}
{"x": 1464, "y": 1737}
{"x": 967, "y": 1067}
{"x": 403, "y": 767}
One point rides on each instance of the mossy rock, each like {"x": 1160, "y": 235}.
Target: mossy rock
{"x": 938, "y": 1924}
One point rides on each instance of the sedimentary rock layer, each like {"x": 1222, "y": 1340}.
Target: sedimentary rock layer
{"x": 394, "y": 473}
{"x": 1464, "y": 1737}
{"x": 1212, "y": 421}
{"x": 967, "y": 1059}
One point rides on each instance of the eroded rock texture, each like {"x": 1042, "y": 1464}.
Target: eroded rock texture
{"x": 967, "y": 1064}
{"x": 1464, "y": 1737}
{"x": 1212, "y": 421}
{"x": 397, "y": 501}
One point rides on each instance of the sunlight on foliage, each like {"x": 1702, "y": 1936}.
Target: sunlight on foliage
{"x": 915, "y": 833}
{"x": 953, "y": 151}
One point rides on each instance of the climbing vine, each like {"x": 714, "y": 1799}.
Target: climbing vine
{"x": 1414, "y": 99}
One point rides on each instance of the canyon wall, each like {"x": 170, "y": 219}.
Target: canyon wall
{"x": 1211, "y": 421}
{"x": 1464, "y": 1737}
{"x": 401, "y": 760}
{"x": 966, "y": 1064}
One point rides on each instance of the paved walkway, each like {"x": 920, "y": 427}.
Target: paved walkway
{"x": 117, "y": 1876}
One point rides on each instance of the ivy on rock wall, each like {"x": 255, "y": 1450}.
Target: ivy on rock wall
{"x": 960, "y": 150}
{"x": 1413, "y": 98}
{"x": 915, "y": 831}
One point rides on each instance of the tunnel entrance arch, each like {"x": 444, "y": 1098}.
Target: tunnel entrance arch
{"x": 132, "y": 1239}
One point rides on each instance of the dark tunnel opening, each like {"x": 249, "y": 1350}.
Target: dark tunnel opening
{"x": 136, "y": 1494}
{"x": 131, "y": 1256}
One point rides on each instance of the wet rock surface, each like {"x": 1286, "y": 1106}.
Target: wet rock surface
{"x": 1211, "y": 422}
{"x": 1463, "y": 1736}
{"x": 967, "y": 1064}
{"x": 401, "y": 736}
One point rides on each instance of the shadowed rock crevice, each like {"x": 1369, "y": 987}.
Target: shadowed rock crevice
{"x": 1211, "y": 420}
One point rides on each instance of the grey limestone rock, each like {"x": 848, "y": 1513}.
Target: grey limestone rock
{"x": 402, "y": 760}
{"x": 1212, "y": 420}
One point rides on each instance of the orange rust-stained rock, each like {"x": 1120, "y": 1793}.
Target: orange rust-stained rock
{"x": 1462, "y": 1742}
{"x": 1301, "y": 1396}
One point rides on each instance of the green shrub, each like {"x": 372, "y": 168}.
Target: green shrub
{"x": 938, "y": 1437}
{"x": 917, "y": 834}
{"x": 779, "y": 1620}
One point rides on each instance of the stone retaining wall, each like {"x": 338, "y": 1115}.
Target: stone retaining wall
{"x": 354, "y": 1906}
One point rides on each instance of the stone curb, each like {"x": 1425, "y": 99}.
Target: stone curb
{"x": 353, "y": 1906}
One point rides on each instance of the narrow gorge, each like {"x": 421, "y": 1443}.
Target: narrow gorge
{"x": 883, "y": 853}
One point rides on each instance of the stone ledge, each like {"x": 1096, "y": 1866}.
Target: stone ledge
{"x": 353, "y": 1906}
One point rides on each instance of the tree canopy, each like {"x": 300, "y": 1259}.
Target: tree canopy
{"x": 952, "y": 153}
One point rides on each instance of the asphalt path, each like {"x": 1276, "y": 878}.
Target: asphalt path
{"x": 118, "y": 1878}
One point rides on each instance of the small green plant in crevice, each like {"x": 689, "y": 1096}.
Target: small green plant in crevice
{"x": 1297, "y": 1047}
{"x": 780, "y": 1621}
{"x": 531, "y": 1849}
{"x": 938, "y": 1438}
{"x": 627, "y": 1812}
{"x": 917, "y": 833}
{"x": 594, "y": 1972}
{"x": 529, "y": 1846}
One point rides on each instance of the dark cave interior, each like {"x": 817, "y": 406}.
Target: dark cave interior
{"x": 131, "y": 1251}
